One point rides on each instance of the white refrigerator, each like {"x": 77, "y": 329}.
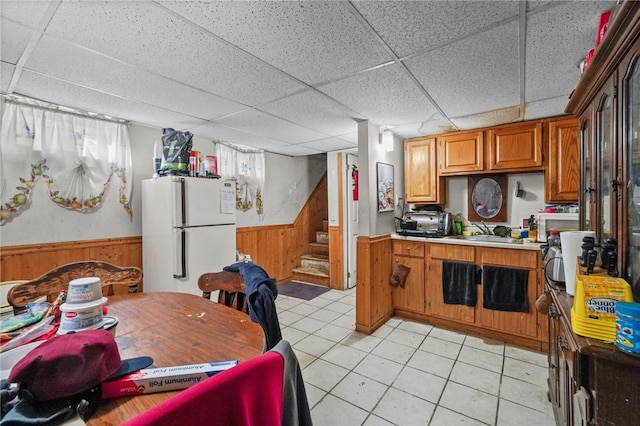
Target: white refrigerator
{"x": 188, "y": 228}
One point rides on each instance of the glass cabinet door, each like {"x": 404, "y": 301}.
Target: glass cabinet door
{"x": 606, "y": 191}
{"x": 632, "y": 231}
{"x": 586, "y": 173}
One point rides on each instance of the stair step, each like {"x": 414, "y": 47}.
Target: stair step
{"x": 310, "y": 276}
{"x": 322, "y": 237}
{"x": 318, "y": 262}
{"x": 320, "y": 245}
{"x": 310, "y": 271}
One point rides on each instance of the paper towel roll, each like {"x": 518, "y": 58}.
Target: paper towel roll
{"x": 571, "y": 244}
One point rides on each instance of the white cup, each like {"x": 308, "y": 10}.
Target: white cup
{"x": 571, "y": 244}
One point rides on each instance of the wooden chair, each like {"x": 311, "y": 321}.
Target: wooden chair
{"x": 230, "y": 285}
{"x": 51, "y": 283}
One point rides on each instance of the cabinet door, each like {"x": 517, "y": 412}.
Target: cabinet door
{"x": 631, "y": 196}
{"x": 562, "y": 175}
{"x": 607, "y": 184}
{"x": 435, "y": 297}
{"x": 421, "y": 181}
{"x": 587, "y": 175}
{"x": 519, "y": 323}
{"x": 411, "y": 296}
{"x": 516, "y": 148}
{"x": 554, "y": 361}
{"x": 460, "y": 153}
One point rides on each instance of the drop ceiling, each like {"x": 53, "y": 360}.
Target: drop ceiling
{"x": 295, "y": 78}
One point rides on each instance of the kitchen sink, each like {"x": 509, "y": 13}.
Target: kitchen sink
{"x": 487, "y": 239}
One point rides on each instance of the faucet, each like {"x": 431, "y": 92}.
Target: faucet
{"x": 484, "y": 230}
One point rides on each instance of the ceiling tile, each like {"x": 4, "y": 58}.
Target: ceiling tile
{"x": 6, "y": 73}
{"x": 295, "y": 150}
{"x": 218, "y": 132}
{"x": 552, "y": 67}
{"x": 350, "y": 137}
{"x": 13, "y": 40}
{"x": 413, "y": 26}
{"x": 473, "y": 75}
{"x": 433, "y": 126}
{"x": 488, "y": 118}
{"x": 385, "y": 96}
{"x": 329, "y": 144}
{"x": 545, "y": 108}
{"x": 260, "y": 123}
{"x": 315, "y": 111}
{"x": 312, "y": 41}
{"x": 89, "y": 69}
{"x": 61, "y": 93}
{"x": 25, "y": 12}
{"x": 145, "y": 35}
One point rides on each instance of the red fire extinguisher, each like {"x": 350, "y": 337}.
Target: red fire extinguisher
{"x": 354, "y": 179}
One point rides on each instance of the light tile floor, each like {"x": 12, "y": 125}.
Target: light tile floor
{"x": 408, "y": 373}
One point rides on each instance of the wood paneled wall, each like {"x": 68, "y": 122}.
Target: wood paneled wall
{"x": 337, "y": 254}
{"x": 276, "y": 248}
{"x": 373, "y": 295}
{"x": 31, "y": 261}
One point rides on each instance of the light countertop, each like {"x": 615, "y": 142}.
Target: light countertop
{"x": 446, "y": 240}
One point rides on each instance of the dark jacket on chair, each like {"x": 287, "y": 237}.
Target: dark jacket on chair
{"x": 262, "y": 292}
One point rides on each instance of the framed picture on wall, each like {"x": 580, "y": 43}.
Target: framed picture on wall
{"x": 386, "y": 192}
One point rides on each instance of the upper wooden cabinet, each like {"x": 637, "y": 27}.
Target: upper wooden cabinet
{"x": 516, "y": 147}
{"x": 562, "y": 175}
{"x": 461, "y": 152}
{"x": 421, "y": 181}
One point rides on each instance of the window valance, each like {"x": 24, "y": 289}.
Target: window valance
{"x": 76, "y": 156}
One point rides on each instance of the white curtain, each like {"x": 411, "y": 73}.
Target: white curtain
{"x": 247, "y": 168}
{"x": 76, "y": 156}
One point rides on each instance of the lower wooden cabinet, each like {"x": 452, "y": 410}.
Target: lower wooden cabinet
{"x": 590, "y": 382}
{"x": 435, "y": 297}
{"x": 411, "y": 296}
{"x": 519, "y": 323}
{"x": 422, "y": 296}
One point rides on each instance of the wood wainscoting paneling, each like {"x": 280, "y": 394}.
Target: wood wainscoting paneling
{"x": 30, "y": 261}
{"x": 272, "y": 247}
{"x": 373, "y": 295}
{"x": 337, "y": 253}
{"x": 279, "y": 248}
{"x": 336, "y": 257}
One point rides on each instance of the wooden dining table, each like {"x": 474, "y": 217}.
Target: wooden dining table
{"x": 174, "y": 329}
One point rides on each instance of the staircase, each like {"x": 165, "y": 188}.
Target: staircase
{"x": 314, "y": 266}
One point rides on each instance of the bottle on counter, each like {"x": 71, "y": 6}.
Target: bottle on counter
{"x": 533, "y": 228}
{"x": 553, "y": 240}
{"x": 457, "y": 223}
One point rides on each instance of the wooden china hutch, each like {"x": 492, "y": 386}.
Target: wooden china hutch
{"x": 591, "y": 382}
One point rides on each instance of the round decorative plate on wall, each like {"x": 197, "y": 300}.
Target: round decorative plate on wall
{"x": 487, "y": 199}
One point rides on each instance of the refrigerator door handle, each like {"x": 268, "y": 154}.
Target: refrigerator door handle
{"x": 183, "y": 201}
{"x": 181, "y": 264}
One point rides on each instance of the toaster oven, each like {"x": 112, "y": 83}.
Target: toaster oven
{"x": 430, "y": 224}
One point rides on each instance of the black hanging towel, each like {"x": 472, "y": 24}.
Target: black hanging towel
{"x": 459, "y": 282}
{"x": 505, "y": 289}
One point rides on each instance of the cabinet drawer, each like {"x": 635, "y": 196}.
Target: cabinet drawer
{"x": 517, "y": 258}
{"x": 453, "y": 252}
{"x": 408, "y": 248}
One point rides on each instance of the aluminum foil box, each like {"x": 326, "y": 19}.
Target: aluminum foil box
{"x": 151, "y": 380}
